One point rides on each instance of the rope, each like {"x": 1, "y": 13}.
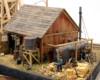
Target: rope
{"x": 85, "y": 31}
{"x": 85, "y": 27}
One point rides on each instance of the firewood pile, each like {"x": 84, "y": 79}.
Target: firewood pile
{"x": 66, "y": 74}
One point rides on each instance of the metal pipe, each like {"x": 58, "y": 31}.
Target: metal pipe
{"x": 80, "y": 17}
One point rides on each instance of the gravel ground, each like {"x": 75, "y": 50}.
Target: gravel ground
{"x": 8, "y": 61}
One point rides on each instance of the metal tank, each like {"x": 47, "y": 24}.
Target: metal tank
{"x": 30, "y": 43}
{"x": 66, "y": 51}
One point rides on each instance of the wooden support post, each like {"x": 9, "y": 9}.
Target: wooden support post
{"x": 46, "y": 3}
{"x": 1, "y": 15}
{"x": 7, "y": 9}
{"x": 76, "y": 52}
{"x": 20, "y": 4}
{"x": 16, "y": 7}
{"x": 15, "y": 47}
{"x": 57, "y": 52}
{"x": 41, "y": 45}
{"x": 38, "y": 55}
{"x": 30, "y": 58}
{"x": 91, "y": 45}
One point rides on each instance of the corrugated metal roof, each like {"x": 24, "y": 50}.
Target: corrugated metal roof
{"x": 33, "y": 20}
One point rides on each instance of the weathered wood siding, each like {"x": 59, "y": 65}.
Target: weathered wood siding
{"x": 62, "y": 24}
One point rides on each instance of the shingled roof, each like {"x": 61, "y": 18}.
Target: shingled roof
{"x": 33, "y": 20}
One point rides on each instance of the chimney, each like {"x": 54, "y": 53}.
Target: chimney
{"x": 80, "y": 17}
{"x": 46, "y": 3}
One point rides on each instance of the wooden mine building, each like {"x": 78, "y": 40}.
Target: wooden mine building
{"x": 46, "y": 24}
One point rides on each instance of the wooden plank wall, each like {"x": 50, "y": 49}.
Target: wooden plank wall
{"x": 62, "y": 24}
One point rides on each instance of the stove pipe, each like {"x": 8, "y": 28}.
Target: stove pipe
{"x": 80, "y": 18}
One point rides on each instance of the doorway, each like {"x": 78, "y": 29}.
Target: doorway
{"x": 14, "y": 42}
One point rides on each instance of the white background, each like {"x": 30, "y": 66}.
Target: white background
{"x": 90, "y": 13}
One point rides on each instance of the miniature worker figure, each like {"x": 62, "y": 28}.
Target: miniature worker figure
{"x": 59, "y": 63}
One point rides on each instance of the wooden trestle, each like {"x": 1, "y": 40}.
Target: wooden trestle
{"x": 7, "y": 10}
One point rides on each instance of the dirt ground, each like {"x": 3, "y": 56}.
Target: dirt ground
{"x": 8, "y": 61}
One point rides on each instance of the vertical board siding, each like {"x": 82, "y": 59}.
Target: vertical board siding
{"x": 62, "y": 24}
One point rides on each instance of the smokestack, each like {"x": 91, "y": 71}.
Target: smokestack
{"x": 46, "y": 3}
{"x": 80, "y": 17}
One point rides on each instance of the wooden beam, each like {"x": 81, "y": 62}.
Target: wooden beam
{"x": 16, "y": 7}
{"x": 73, "y": 47}
{"x": 26, "y": 59}
{"x": 12, "y": 13}
{"x": 60, "y": 33}
{"x": 76, "y": 52}
{"x": 20, "y": 4}
{"x": 46, "y": 3}
{"x": 57, "y": 52}
{"x": 39, "y": 55}
{"x": 79, "y": 45}
{"x": 5, "y": 21}
{"x": 1, "y": 16}
{"x": 68, "y": 43}
{"x": 34, "y": 58}
{"x": 30, "y": 58}
{"x": 12, "y": 5}
{"x": 7, "y": 9}
{"x": 62, "y": 49}
{"x": 11, "y": 0}
{"x": 3, "y": 8}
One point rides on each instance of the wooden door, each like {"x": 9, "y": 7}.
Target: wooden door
{"x": 4, "y": 43}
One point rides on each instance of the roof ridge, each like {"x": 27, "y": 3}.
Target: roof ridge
{"x": 41, "y": 6}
